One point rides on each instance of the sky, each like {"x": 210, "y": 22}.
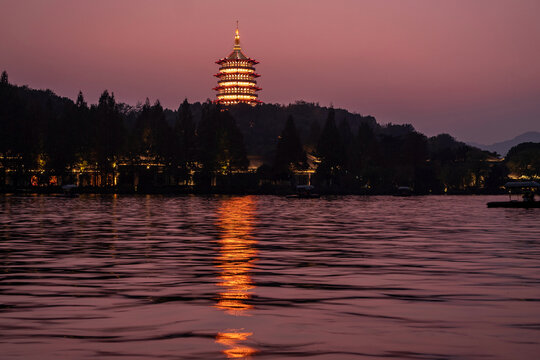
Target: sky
{"x": 470, "y": 68}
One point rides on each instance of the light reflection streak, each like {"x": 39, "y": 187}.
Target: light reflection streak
{"x": 235, "y": 261}
{"x": 233, "y": 339}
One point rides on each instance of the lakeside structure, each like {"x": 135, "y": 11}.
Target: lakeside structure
{"x": 237, "y": 84}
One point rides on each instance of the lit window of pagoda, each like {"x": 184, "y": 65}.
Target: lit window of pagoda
{"x": 237, "y": 76}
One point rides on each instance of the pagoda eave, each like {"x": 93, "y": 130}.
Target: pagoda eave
{"x": 235, "y": 82}
{"x": 249, "y": 60}
{"x": 255, "y": 75}
{"x": 254, "y": 88}
{"x": 238, "y": 102}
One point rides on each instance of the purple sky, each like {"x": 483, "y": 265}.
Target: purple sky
{"x": 467, "y": 67}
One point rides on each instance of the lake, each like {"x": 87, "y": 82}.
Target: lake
{"x": 249, "y": 277}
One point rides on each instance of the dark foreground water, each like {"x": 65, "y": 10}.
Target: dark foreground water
{"x": 265, "y": 277}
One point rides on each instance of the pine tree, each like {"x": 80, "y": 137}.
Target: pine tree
{"x": 184, "y": 130}
{"x": 290, "y": 153}
{"x": 4, "y": 79}
{"x": 82, "y": 128}
{"x": 364, "y": 152}
{"x": 330, "y": 150}
{"x": 80, "y": 103}
{"x": 163, "y": 137}
{"x": 221, "y": 144}
{"x": 107, "y": 130}
{"x": 152, "y": 135}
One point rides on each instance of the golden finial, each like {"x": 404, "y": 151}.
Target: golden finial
{"x": 237, "y": 38}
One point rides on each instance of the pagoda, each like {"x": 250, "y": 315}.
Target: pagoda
{"x": 237, "y": 77}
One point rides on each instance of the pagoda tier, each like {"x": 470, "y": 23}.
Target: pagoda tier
{"x": 255, "y": 75}
{"x": 237, "y": 78}
{"x": 238, "y": 88}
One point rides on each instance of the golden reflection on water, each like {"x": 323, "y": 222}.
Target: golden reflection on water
{"x": 233, "y": 340}
{"x": 235, "y": 261}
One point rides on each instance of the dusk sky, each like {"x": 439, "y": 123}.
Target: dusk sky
{"x": 468, "y": 68}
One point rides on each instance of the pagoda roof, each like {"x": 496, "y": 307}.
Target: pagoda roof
{"x": 234, "y": 57}
{"x": 237, "y": 53}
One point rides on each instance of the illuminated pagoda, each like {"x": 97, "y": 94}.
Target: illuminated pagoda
{"x": 237, "y": 77}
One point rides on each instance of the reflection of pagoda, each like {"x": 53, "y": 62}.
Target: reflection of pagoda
{"x": 237, "y": 77}
{"x": 236, "y": 257}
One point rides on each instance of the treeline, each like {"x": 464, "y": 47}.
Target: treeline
{"x": 49, "y": 133}
{"x": 379, "y": 159}
{"x": 341, "y": 152}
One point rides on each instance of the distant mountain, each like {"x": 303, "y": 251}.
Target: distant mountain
{"x": 502, "y": 147}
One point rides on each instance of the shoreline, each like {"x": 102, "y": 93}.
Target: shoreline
{"x": 207, "y": 192}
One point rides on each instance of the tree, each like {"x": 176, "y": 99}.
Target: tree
{"x": 4, "y": 78}
{"x": 81, "y": 121}
{"x": 290, "y": 154}
{"x": 497, "y": 176}
{"x": 414, "y": 149}
{"x": 80, "y": 103}
{"x": 524, "y": 160}
{"x": 221, "y": 144}
{"x": 152, "y": 136}
{"x": 163, "y": 137}
{"x": 364, "y": 153}
{"x": 185, "y": 133}
{"x": 330, "y": 151}
{"x": 413, "y": 157}
{"x": 107, "y": 130}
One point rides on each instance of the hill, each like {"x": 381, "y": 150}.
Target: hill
{"x": 502, "y": 147}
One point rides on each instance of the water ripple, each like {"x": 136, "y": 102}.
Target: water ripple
{"x": 162, "y": 277}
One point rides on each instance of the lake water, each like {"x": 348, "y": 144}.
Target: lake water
{"x": 157, "y": 277}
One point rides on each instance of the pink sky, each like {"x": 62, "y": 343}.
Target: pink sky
{"x": 467, "y": 67}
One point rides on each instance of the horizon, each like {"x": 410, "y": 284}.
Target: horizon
{"x": 470, "y": 70}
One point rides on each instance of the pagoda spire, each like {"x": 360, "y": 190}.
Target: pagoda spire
{"x": 237, "y": 38}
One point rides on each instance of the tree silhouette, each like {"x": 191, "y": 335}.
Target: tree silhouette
{"x": 41, "y": 133}
{"x": 221, "y": 144}
{"x": 107, "y": 131}
{"x": 330, "y": 151}
{"x": 290, "y": 154}
{"x": 80, "y": 117}
{"x": 524, "y": 159}
{"x": 363, "y": 154}
{"x": 152, "y": 135}
{"x": 186, "y": 141}
{"x": 80, "y": 103}
{"x": 4, "y": 79}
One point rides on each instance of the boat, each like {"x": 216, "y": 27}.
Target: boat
{"x": 404, "y": 191}
{"x": 304, "y": 192}
{"x": 527, "y": 190}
